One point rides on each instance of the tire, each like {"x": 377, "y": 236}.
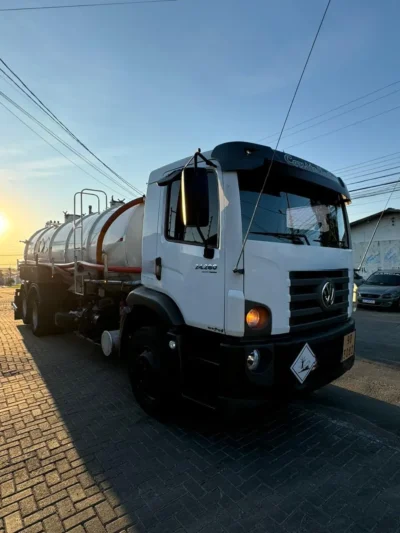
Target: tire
{"x": 153, "y": 385}
{"x": 25, "y": 311}
{"x": 41, "y": 323}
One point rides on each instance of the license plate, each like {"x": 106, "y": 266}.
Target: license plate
{"x": 368, "y": 301}
{"x": 348, "y": 345}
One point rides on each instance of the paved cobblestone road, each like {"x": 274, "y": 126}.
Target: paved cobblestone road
{"x": 77, "y": 454}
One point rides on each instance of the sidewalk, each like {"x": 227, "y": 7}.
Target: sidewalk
{"x": 77, "y": 454}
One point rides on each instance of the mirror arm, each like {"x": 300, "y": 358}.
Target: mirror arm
{"x": 208, "y": 252}
{"x": 207, "y": 161}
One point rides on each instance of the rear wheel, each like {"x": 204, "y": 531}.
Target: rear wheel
{"x": 153, "y": 387}
{"x": 42, "y": 320}
{"x": 26, "y": 315}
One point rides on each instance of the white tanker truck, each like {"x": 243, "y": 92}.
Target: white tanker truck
{"x": 200, "y": 304}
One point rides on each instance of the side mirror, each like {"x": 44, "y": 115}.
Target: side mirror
{"x": 195, "y": 197}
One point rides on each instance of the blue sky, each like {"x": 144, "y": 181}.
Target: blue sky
{"x": 144, "y": 85}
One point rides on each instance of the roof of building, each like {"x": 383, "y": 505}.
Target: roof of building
{"x": 375, "y": 216}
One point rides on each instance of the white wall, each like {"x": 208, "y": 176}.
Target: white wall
{"x": 384, "y": 251}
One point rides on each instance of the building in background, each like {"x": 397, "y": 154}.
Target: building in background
{"x": 384, "y": 252}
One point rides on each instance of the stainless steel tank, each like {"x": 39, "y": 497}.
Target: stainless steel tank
{"x": 122, "y": 241}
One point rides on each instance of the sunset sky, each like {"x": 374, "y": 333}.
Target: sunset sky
{"x": 144, "y": 85}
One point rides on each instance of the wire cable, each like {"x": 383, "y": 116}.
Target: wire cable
{"x": 369, "y": 194}
{"x": 351, "y": 180}
{"x": 369, "y": 168}
{"x": 49, "y": 113}
{"x": 332, "y": 110}
{"x": 74, "y": 6}
{"x": 370, "y": 202}
{"x": 363, "y": 163}
{"x": 374, "y": 186}
{"x": 377, "y": 224}
{"x": 280, "y": 135}
{"x": 57, "y": 150}
{"x": 343, "y": 113}
{"x": 64, "y": 143}
{"x": 345, "y": 127}
{"x": 376, "y": 178}
{"x": 15, "y": 85}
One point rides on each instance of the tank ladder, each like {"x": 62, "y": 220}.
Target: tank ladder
{"x": 78, "y": 233}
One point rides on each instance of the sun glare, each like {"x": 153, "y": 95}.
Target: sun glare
{"x": 3, "y": 224}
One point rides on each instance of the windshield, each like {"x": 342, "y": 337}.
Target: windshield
{"x": 292, "y": 211}
{"x": 390, "y": 280}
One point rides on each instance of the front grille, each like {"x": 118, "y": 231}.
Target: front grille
{"x": 365, "y": 295}
{"x": 306, "y": 310}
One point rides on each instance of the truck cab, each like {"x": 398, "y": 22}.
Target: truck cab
{"x": 254, "y": 297}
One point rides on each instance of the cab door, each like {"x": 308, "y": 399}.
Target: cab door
{"x": 196, "y": 284}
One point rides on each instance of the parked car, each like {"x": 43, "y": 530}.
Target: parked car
{"x": 358, "y": 279}
{"x": 381, "y": 289}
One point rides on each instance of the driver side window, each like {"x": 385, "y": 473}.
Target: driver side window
{"x": 177, "y": 231}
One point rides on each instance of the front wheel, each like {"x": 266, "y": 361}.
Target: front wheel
{"x": 152, "y": 386}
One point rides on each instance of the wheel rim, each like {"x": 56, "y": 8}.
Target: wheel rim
{"x": 35, "y": 315}
{"x": 146, "y": 383}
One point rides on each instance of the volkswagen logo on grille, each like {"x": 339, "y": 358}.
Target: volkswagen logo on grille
{"x": 328, "y": 294}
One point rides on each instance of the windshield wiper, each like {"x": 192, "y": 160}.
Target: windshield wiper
{"x": 339, "y": 244}
{"x": 294, "y": 237}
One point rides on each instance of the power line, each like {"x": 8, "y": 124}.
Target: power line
{"x": 345, "y": 127}
{"x": 343, "y": 113}
{"x": 280, "y": 135}
{"x": 365, "y": 162}
{"x": 14, "y": 85}
{"x": 374, "y": 186}
{"x": 333, "y": 109}
{"x": 369, "y": 168}
{"x": 64, "y": 143}
{"x": 57, "y": 150}
{"x": 53, "y": 117}
{"x": 371, "y": 202}
{"x": 105, "y": 4}
{"x": 371, "y": 194}
{"x": 380, "y": 218}
{"x": 376, "y": 178}
{"x": 351, "y": 181}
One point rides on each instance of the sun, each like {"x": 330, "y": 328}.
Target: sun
{"x": 3, "y": 224}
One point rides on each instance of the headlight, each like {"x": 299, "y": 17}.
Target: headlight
{"x": 253, "y": 360}
{"x": 388, "y": 295}
{"x": 257, "y": 317}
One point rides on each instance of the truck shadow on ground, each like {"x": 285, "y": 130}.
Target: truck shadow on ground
{"x": 287, "y": 469}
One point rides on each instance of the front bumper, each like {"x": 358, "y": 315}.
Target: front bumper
{"x": 378, "y": 302}
{"x": 277, "y": 355}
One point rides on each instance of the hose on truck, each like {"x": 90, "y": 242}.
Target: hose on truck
{"x": 83, "y": 265}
